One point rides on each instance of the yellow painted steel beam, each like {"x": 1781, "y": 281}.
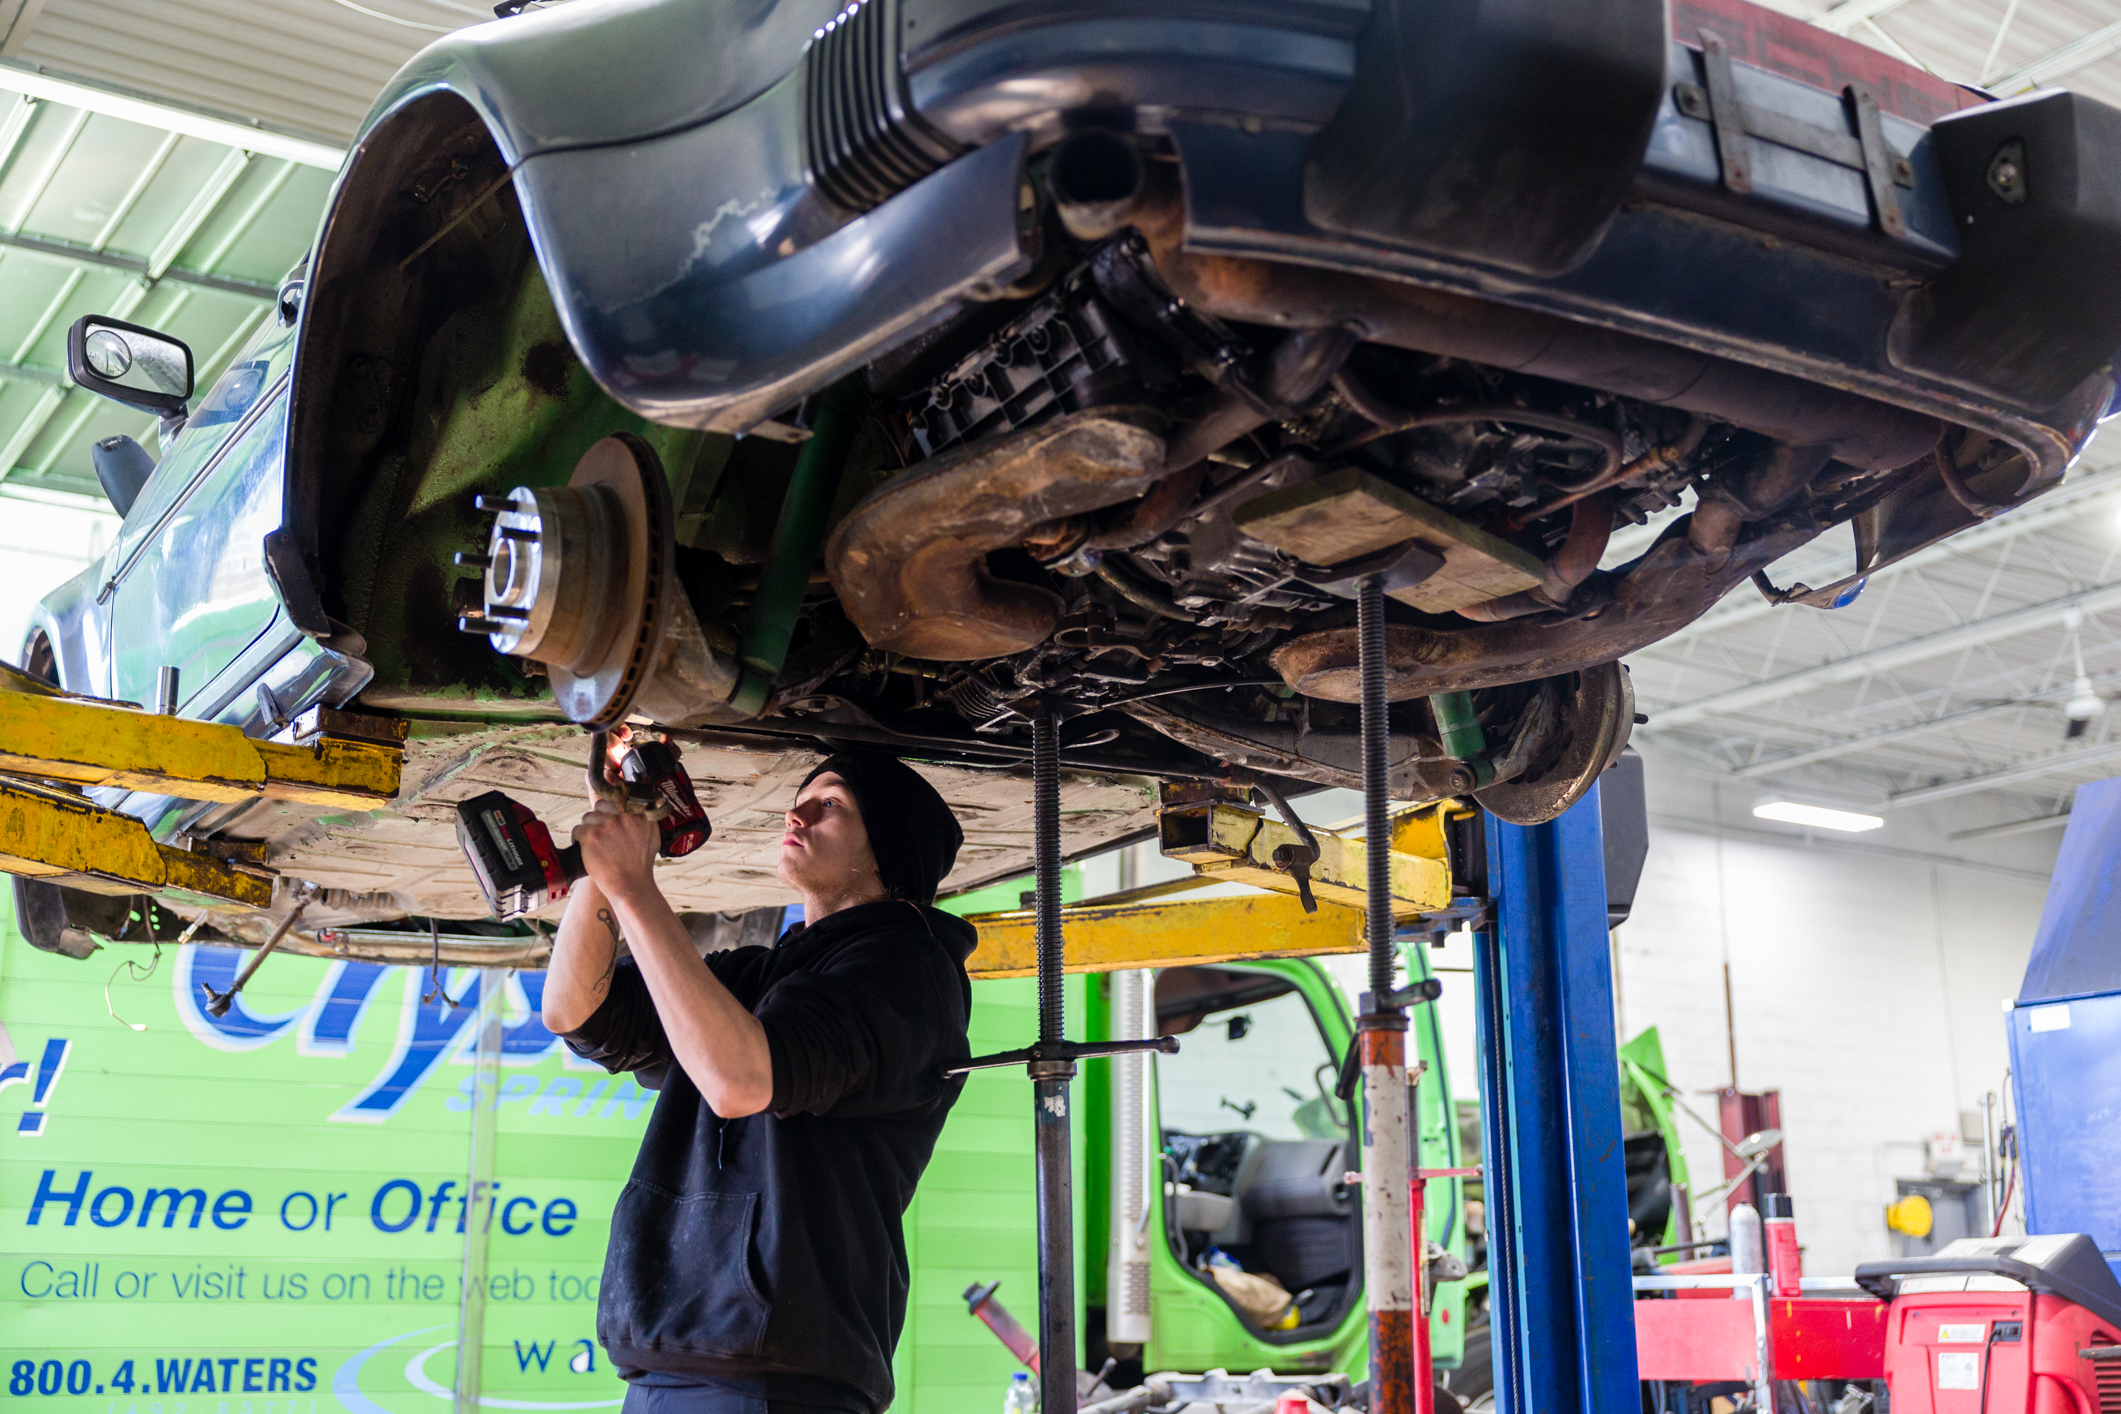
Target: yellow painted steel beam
{"x": 92, "y": 744}
{"x": 1168, "y": 932}
{"x": 339, "y": 773}
{"x": 44, "y": 834}
{"x": 1233, "y": 844}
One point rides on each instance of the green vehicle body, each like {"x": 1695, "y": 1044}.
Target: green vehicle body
{"x": 1646, "y": 1104}
{"x": 1193, "y": 1326}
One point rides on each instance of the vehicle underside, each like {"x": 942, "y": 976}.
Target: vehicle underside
{"x": 1086, "y": 490}
{"x": 1134, "y": 472}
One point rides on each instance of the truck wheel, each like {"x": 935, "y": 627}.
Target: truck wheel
{"x": 1472, "y": 1384}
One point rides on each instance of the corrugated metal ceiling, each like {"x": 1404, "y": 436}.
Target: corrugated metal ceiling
{"x": 313, "y": 66}
{"x": 103, "y": 215}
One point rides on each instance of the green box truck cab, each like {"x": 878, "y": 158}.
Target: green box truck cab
{"x": 1254, "y": 1146}
{"x": 1244, "y": 1148}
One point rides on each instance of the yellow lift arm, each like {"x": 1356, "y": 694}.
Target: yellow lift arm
{"x": 1167, "y": 925}
{"x": 1233, "y": 843}
{"x": 55, "y": 745}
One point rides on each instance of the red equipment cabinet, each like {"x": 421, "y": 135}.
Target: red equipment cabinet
{"x": 2014, "y": 1325}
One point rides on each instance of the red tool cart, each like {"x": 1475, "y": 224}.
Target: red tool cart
{"x": 2007, "y": 1325}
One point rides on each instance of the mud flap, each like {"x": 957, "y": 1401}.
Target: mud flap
{"x": 1501, "y": 133}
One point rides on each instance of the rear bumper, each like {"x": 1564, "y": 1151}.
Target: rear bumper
{"x": 706, "y": 279}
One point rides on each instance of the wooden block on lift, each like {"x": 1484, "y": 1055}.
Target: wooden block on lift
{"x": 1348, "y": 514}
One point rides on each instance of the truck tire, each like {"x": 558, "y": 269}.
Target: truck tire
{"x": 1472, "y": 1384}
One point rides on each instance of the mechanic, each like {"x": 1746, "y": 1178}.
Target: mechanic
{"x": 757, "y": 1260}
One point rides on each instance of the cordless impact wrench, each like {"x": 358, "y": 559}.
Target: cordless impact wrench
{"x": 520, "y": 869}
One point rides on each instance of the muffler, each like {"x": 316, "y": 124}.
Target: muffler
{"x": 910, "y": 561}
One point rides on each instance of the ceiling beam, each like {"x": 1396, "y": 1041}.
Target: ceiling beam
{"x": 2011, "y": 827}
{"x": 249, "y": 134}
{"x": 2058, "y": 507}
{"x": 1813, "y": 755}
{"x": 1887, "y": 658}
{"x": 21, "y": 19}
{"x": 142, "y": 180}
{"x": 67, "y": 253}
{"x": 31, "y": 373}
{"x": 248, "y": 217}
{"x": 15, "y": 126}
{"x": 26, "y": 431}
{"x": 1851, "y": 13}
{"x": 1827, "y": 751}
{"x": 204, "y": 203}
{"x": 2061, "y": 61}
{"x": 2053, "y": 764}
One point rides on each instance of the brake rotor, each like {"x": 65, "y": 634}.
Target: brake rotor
{"x": 627, "y": 471}
{"x": 1597, "y": 716}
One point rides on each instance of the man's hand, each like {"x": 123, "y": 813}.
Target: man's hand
{"x": 618, "y": 849}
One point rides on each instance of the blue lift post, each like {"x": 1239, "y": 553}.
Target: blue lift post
{"x": 1561, "y": 1303}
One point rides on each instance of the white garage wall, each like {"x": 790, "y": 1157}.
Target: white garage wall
{"x": 45, "y": 540}
{"x": 1867, "y": 975}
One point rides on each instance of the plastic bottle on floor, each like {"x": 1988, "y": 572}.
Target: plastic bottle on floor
{"x": 1022, "y": 1397}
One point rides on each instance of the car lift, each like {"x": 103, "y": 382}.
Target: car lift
{"x": 56, "y": 746}
{"x": 1560, "y": 1276}
{"x": 1549, "y": 1096}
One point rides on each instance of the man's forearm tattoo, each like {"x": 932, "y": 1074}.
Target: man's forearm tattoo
{"x": 603, "y": 984}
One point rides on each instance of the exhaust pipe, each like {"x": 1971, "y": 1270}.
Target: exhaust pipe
{"x": 1858, "y": 430}
{"x": 1095, "y": 176}
{"x": 909, "y": 561}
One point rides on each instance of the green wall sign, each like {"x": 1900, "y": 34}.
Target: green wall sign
{"x": 277, "y": 1211}
{"x": 293, "y": 1208}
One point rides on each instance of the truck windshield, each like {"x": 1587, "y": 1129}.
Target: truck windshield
{"x": 1262, "y": 1067}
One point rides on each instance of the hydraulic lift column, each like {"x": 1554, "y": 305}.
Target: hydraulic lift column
{"x": 1051, "y": 1064}
{"x": 1562, "y": 1292}
{"x": 1381, "y": 1038}
{"x": 1050, "y": 1079}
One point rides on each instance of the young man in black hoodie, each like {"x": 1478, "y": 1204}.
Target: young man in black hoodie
{"x": 757, "y": 1262}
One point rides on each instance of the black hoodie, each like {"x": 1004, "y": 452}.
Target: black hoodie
{"x": 771, "y": 1248}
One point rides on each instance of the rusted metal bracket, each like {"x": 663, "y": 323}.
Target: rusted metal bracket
{"x": 1878, "y": 160}
{"x": 1232, "y": 843}
{"x": 1735, "y": 123}
{"x": 1726, "y": 114}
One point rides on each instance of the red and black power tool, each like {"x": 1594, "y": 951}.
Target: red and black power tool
{"x": 520, "y": 869}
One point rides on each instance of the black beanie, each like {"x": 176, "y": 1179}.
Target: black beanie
{"x": 912, "y": 833}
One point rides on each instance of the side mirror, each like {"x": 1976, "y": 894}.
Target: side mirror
{"x": 140, "y": 368}
{"x": 122, "y": 468}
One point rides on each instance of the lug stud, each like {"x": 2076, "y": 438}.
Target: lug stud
{"x": 478, "y": 624}
{"x": 494, "y": 504}
{"x": 471, "y": 561}
{"x": 512, "y": 532}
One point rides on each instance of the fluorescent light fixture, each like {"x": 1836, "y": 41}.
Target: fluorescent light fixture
{"x": 1818, "y": 817}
